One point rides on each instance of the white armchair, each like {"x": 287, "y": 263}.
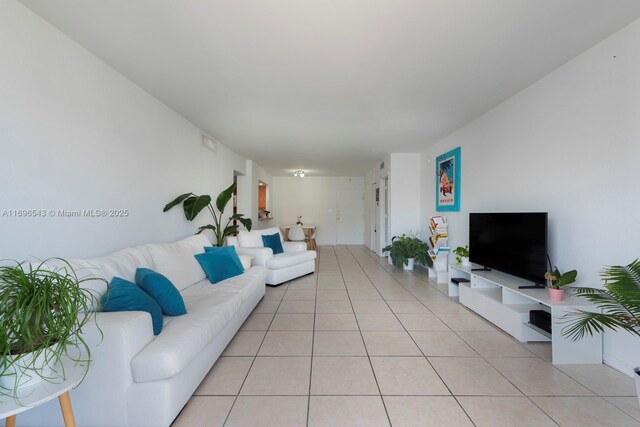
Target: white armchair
{"x": 294, "y": 262}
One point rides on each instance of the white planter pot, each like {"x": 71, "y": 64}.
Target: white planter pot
{"x": 389, "y": 260}
{"x": 409, "y": 265}
{"x": 465, "y": 262}
{"x": 26, "y": 371}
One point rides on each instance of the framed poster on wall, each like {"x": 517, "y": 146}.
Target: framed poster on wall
{"x": 448, "y": 181}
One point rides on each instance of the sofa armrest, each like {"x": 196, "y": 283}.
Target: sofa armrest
{"x": 294, "y": 246}
{"x": 260, "y": 255}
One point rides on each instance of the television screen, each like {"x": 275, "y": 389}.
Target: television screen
{"x": 514, "y": 243}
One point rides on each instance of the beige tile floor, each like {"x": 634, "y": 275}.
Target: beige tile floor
{"x": 361, "y": 343}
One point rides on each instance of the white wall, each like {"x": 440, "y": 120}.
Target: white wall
{"x": 75, "y": 134}
{"x": 315, "y": 199}
{"x": 569, "y": 145}
{"x": 404, "y": 178}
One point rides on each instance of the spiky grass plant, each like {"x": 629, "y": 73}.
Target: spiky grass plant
{"x": 42, "y": 312}
{"x": 619, "y": 302}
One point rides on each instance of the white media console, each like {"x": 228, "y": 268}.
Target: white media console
{"x": 496, "y": 297}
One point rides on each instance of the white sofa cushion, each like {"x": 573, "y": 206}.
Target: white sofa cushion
{"x": 176, "y": 260}
{"x": 287, "y": 259}
{"x": 245, "y": 260}
{"x": 253, "y": 238}
{"x": 250, "y": 239}
{"x": 209, "y": 309}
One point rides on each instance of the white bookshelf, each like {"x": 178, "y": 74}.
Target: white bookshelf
{"x": 496, "y": 297}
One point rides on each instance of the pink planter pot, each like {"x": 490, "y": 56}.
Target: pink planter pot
{"x": 555, "y": 295}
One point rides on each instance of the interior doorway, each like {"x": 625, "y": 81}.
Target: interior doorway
{"x": 350, "y": 217}
{"x": 375, "y": 221}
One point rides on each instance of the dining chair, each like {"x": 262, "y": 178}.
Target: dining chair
{"x": 296, "y": 234}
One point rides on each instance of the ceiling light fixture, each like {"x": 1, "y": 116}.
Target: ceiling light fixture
{"x": 299, "y": 173}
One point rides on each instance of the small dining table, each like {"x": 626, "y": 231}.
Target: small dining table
{"x": 308, "y": 232}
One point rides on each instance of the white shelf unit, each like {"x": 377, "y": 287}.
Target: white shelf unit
{"x": 496, "y": 297}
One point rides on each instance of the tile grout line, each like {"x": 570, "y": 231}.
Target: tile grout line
{"x": 424, "y": 355}
{"x": 373, "y": 371}
{"x": 313, "y": 336}
{"x": 226, "y": 419}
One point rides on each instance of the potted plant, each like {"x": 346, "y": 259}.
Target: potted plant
{"x": 42, "y": 312}
{"x": 193, "y": 205}
{"x": 299, "y": 222}
{"x": 556, "y": 280}
{"x": 619, "y": 304}
{"x": 407, "y": 250}
{"x": 462, "y": 255}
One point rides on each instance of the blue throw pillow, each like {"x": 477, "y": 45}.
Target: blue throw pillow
{"x": 220, "y": 265}
{"x": 273, "y": 241}
{"x": 123, "y": 295}
{"x": 162, "y": 291}
{"x": 231, "y": 250}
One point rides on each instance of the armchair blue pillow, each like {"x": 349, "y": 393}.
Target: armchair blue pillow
{"x": 123, "y": 295}
{"x": 162, "y": 291}
{"x": 220, "y": 263}
{"x": 273, "y": 241}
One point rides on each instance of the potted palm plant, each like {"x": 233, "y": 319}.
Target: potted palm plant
{"x": 42, "y": 312}
{"x": 194, "y": 204}
{"x": 619, "y": 304}
{"x": 405, "y": 251}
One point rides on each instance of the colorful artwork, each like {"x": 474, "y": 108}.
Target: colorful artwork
{"x": 448, "y": 181}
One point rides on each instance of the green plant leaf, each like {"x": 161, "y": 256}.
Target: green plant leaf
{"x": 567, "y": 278}
{"x": 246, "y": 222}
{"x": 176, "y": 201}
{"x": 206, "y": 227}
{"x": 619, "y": 302}
{"x": 224, "y": 197}
{"x": 193, "y": 205}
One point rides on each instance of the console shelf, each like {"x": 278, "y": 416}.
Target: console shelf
{"x": 496, "y": 297}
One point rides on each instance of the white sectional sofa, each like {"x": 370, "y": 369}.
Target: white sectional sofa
{"x": 136, "y": 378}
{"x": 294, "y": 262}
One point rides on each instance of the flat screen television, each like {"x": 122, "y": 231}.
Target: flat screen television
{"x": 514, "y": 243}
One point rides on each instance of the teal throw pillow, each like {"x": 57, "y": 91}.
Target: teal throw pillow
{"x": 162, "y": 291}
{"x": 231, "y": 250}
{"x": 220, "y": 265}
{"x": 273, "y": 241}
{"x": 123, "y": 295}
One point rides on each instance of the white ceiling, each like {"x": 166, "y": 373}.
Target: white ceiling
{"x": 333, "y": 86}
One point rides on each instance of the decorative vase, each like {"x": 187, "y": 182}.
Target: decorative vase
{"x": 465, "y": 261}
{"x": 555, "y": 295}
{"x": 409, "y": 265}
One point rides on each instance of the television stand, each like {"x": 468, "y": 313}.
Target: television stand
{"x": 534, "y": 286}
{"x": 506, "y": 301}
{"x": 481, "y": 269}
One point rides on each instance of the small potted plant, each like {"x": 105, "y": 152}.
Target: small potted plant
{"x": 42, "y": 312}
{"x": 618, "y": 304}
{"x": 405, "y": 251}
{"x": 556, "y": 280}
{"x": 299, "y": 222}
{"x": 462, "y": 255}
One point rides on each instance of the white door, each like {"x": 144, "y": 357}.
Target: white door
{"x": 375, "y": 220}
{"x": 350, "y": 217}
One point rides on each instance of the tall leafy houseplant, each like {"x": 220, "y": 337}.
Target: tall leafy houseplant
{"x": 619, "y": 302}
{"x": 42, "y": 313}
{"x": 194, "y": 204}
{"x": 403, "y": 248}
